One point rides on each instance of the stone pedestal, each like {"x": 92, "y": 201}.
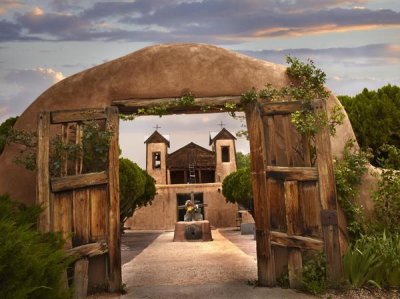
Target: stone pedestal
{"x": 189, "y": 231}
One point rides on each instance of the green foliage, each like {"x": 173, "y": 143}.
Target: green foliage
{"x": 387, "y": 201}
{"x": 314, "y": 274}
{"x": 5, "y": 129}
{"x": 93, "y": 149}
{"x": 388, "y": 156}
{"x": 375, "y": 118}
{"x": 348, "y": 173}
{"x": 249, "y": 96}
{"x": 236, "y": 188}
{"x": 373, "y": 260}
{"x": 137, "y": 188}
{"x": 242, "y": 160}
{"x": 31, "y": 263}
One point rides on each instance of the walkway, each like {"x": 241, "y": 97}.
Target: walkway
{"x": 216, "y": 269}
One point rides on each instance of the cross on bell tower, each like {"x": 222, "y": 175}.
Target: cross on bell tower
{"x": 221, "y": 124}
{"x": 157, "y": 127}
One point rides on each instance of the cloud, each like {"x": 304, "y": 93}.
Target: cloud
{"x": 214, "y": 21}
{"x": 22, "y": 87}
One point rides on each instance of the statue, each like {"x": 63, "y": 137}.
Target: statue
{"x": 193, "y": 212}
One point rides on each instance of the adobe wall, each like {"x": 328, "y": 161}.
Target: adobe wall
{"x": 162, "y": 214}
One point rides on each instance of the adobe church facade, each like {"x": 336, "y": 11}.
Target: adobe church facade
{"x": 190, "y": 169}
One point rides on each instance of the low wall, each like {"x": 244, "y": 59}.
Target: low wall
{"x": 163, "y": 212}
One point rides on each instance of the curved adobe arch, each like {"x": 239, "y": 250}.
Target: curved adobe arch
{"x": 155, "y": 72}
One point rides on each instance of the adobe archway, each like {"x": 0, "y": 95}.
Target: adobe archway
{"x": 154, "y": 73}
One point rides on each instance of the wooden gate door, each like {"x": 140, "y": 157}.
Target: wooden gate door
{"x": 83, "y": 206}
{"x": 294, "y": 194}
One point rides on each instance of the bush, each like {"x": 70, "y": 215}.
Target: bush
{"x": 373, "y": 260}
{"x": 31, "y": 263}
{"x": 314, "y": 274}
{"x": 236, "y": 188}
{"x": 5, "y": 129}
{"x": 387, "y": 201}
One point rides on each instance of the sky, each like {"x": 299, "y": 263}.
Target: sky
{"x": 355, "y": 42}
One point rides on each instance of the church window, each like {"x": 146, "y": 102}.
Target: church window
{"x": 156, "y": 160}
{"x": 225, "y": 154}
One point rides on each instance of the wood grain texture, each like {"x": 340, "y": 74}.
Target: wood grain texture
{"x": 78, "y": 181}
{"x": 98, "y": 213}
{"x": 80, "y": 282}
{"x": 265, "y": 258}
{"x": 277, "y": 108}
{"x": 68, "y": 116}
{"x": 285, "y": 240}
{"x": 292, "y": 173}
{"x": 62, "y": 215}
{"x": 81, "y": 213}
{"x": 89, "y": 250}
{"x": 294, "y": 227}
{"x": 43, "y": 175}
{"x": 114, "y": 238}
{"x": 327, "y": 193}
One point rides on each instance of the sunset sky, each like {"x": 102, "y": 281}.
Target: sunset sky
{"x": 357, "y": 44}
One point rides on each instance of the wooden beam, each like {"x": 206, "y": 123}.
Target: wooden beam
{"x": 89, "y": 250}
{"x": 265, "y": 256}
{"x": 292, "y": 173}
{"x": 274, "y": 108}
{"x": 78, "y": 181}
{"x": 284, "y": 240}
{"x": 327, "y": 192}
{"x": 43, "y": 176}
{"x": 114, "y": 237}
{"x": 65, "y": 116}
{"x": 200, "y": 105}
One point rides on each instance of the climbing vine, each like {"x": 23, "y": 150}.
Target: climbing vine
{"x": 307, "y": 85}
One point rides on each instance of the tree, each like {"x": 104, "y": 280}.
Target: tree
{"x": 236, "y": 188}
{"x": 5, "y": 129}
{"x": 242, "y": 160}
{"x": 375, "y": 118}
{"x": 137, "y": 188}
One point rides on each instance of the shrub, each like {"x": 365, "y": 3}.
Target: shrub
{"x": 314, "y": 274}
{"x": 31, "y": 263}
{"x": 236, "y": 188}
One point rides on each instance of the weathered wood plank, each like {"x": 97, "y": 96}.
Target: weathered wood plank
{"x": 311, "y": 208}
{"x": 98, "y": 213}
{"x": 277, "y": 108}
{"x": 287, "y": 133}
{"x": 327, "y": 193}
{"x": 62, "y": 215}
{"x": 114, "y": 238}
{"x": 89, "y": 250}
{"x": 270, "y": 143}
{"x": 275, "y": 197}
{"x": 43, "y": 176}
{"x": 78, "y": 181}
{"x": 81, "y": 211}
{"x": 294, "y": 227}
{"x": 78, "y": 140}
{"x": 80, "y": 282}
{"x": 292, "y": 173}
{"x": 64, "y": 139}
{"x": 280, "y": 141}
{"x": 65, "y": 116}
{"x": 285, "y": 240}
{"x": 200, "y": 105}
{"x": 265, "y": 258}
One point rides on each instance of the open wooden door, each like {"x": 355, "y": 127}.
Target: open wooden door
{"x": 83, "y": 206}
{"x": 294, "y": 194}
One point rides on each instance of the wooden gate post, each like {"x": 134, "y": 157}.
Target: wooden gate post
{"x": 114, "y": 237}
{"x": 43, "y": 175}
{"x": 327, "y": 191}
{"x": 265, "y": 257}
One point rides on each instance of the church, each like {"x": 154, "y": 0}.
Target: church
{"x": 192, "y": 169}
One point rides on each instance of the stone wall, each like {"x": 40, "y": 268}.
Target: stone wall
{"x": 162, "y": 214}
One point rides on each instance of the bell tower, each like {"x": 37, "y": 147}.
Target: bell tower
{"x": 225, "y": 153}
{"x": 156, "y": 156}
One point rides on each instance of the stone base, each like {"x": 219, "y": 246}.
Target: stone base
{"x": 191, "y": 231}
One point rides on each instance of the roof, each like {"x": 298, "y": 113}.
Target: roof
{"x": 223, "y": 134}
{"x": 191, "y": 153}
{"x": 156, "y": 137}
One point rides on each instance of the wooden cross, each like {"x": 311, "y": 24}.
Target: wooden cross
{"x": 221, "y": 124}
{"x": 157, "y": 127}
